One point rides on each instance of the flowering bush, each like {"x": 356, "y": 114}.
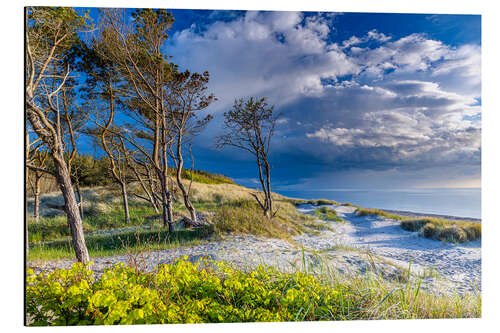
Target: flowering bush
{"x": 180, "y": 293}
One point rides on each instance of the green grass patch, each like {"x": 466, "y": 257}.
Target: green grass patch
{"x": 56, "y": 227}
{"x": 120, "y": 243}
{"x": 205, "y": 177}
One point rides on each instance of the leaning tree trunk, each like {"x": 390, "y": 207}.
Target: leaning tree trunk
{"x": 125, "y": 202}
{"x": 185, "y": 194}
{"x": 71, "y": 207}
{"x": 268, "y": 186}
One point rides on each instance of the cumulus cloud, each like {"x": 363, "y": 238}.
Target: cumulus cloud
{"x": 370, "y": 101}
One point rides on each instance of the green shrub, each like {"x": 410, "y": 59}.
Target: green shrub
{"x": 216, "y": 292}
{"x": 179, "y": 293}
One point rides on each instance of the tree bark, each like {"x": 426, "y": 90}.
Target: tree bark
{"x": 185, "y": 194}
{"x": 166, "y": 198}
{"x": 80, "y": 199}
{"x": 71, "y": 207}
{"x": 125, "y": 202}
{"x": 36, "y": 210}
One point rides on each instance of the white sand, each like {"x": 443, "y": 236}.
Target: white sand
{"x": 446, "y": 268}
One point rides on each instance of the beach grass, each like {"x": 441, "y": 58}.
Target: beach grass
{"x": 431, "y": 227}
{"x": 327, "y": 213}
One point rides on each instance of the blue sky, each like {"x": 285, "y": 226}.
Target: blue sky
{"x": 367, "y": 100}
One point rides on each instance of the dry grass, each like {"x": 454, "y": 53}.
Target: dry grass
{"x": 370, "y": 211}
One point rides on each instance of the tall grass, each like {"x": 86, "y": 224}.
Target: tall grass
{"x": 372, "y": 296}
{"x": 246, "y": 217}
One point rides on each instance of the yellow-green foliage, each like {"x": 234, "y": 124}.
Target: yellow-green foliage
{"x": 179, "y": 293}
{"x": 216, "y": 292}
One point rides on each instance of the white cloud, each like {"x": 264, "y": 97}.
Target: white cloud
{"x": 406, "y": 100}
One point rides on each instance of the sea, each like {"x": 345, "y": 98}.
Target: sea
{"x": 460, "y": 202}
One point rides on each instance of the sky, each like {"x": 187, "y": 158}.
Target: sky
{"x": 366, "y": 100}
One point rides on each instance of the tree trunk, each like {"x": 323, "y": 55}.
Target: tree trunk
{"x": 80, "y": 199}
{"x": 71, "y": 208}
{"x": 185, "y": 194}
{"x": 125, "y": 202}
{"x": 170, "y": 212}
{"x": 166, "y": 198}
{"x": 268, "y": 185}
{"x": 36, "y": 210}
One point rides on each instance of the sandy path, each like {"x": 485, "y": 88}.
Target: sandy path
{"x": 460, "y": 264}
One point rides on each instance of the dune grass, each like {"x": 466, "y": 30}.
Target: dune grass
{"x": 370, "y": 211}
{"x": 444, "y": 230}
{"x": 246, "y": 217}
{"x": 327, "y": 213}
{"x": 432, "y": 227}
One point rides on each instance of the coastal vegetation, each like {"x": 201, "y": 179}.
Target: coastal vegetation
{"x": 432, "y": 227}
{"x": 327, "y": 213}
{"x": 215, "y": 292}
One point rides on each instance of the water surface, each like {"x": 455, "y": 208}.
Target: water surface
{"x": 462, "y": 202}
